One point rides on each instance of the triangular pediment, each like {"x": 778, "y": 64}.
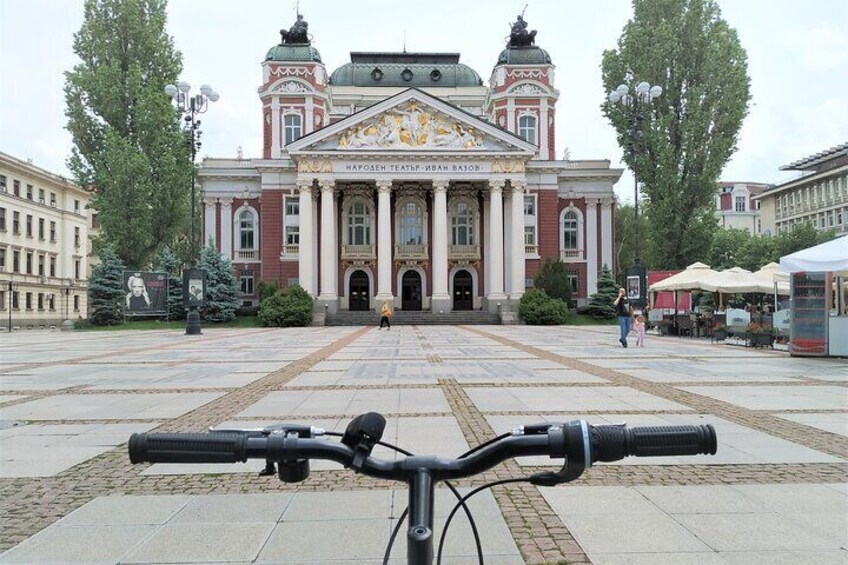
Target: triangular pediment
{"x": 411, "y": 121}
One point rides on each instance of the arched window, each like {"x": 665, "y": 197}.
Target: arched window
{"x": 411, "y": 224}
{"x": 358, "y": 224}
{"x": 570, "y": 231}
{"x": 247, "y": 230}
{"x": 527, "y": 128}
{"x": 292, "y": 127}
{"x": 462, "y": 224}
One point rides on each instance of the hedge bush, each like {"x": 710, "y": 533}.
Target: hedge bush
{"x": 289, "y": 307}
{"x": 538, "y": 309}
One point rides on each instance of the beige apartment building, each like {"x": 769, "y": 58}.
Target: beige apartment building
{"x": 736, "y": 208}
{"x": 44, "y": 246}
{"x": 819, "y": 196}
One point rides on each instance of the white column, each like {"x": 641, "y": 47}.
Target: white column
{"x": 329, "y": 245}
{"x": 517, "y": 238}
{"x": 305, "y": 262}
{"x": 275, "y": 127}
{"x": 384, "y": 241}
{"x": 209, "y": 221}
{"x": 440, "y": 298}
{"x": 606, "y": 232}
{"x": 227, "y": 227}
{"x": 507, "y": 230}
{"x": 510, "y": 116}
{"x": 543, "y": 131}
{"x": 486, "y": 251}
{"x": 310, "y": 115}
{"x": 315, "y": 255}
{"x": 496, "y": 271}
{"x": 590, "y": 244}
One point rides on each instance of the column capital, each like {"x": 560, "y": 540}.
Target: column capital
{"x": 607, "y": 202}
{"x": 327, "y": 185}
{"x": 440, "y": 185}
{"x": 304, "y": 184}
{"x": 226, "y": 202}
{"x": 518, "y": 185}
{"x": 496, "y": 185}
{"x": 384, "y": 185}
{"x": 209, "y": 201}
{"x": 591, "y": 202}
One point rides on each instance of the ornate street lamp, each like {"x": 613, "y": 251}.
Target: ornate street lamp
{"x": 12, "y": 287}
{"x": 67, "y": 287}
{"x": 633, "y": 106}
{"x": 190, "y": 106}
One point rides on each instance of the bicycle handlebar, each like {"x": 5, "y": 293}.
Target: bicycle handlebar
{"x": 579, "y": 443}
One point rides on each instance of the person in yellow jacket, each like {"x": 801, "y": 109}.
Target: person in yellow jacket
{"x": 386, "y": 313}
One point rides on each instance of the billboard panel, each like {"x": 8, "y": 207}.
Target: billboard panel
{"x": 147, "y": 293}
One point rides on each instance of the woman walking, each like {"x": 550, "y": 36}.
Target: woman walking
{"x": 386, "y": 313}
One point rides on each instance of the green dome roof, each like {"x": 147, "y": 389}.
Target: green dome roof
{"x": 531, "y": 55}
{"x": 293, "y": 52}
{"x": 405, "y": 69}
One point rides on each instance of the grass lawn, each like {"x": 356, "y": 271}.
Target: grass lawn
{"x": 585, "y": 320}
{"x": 239, "y": 322}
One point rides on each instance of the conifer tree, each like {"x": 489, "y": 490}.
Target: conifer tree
{"x": 601, "y": 303}
{"x": 222, "y": 290}
{"x": 168, "y": 262}
{"x": 106, "y": 292}
{"x": 553, "y": 279}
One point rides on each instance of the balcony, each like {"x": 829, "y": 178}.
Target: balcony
{"x": 464, "y": 252}
{"x": 247, "y": 254}
{"x": 571, "y": 255}
{"x": 290, "y": 250}
{"x": 358, "y": 252}
{"x": 531, "y": 249}
{"x": 410, "y": 252}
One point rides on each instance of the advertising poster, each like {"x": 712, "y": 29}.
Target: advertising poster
{"x": 146, "y": 293}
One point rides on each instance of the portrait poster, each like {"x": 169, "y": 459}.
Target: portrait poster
{"x": 194, "y": 287}
{"x": 634, "y": 290}
{"x": 146, "y": 293}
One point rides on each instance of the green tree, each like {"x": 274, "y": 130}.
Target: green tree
{"x": 758, "y": 251}
{"x": 601, "y": 303}
{"x": 127, "y": 141}
{"x": 168, "y": 262}
{"x": 106, "y": 292}
{"x": 288, "y": 307}
{"x": 625, "y": 248}
{"x": 726, "y": 248}
{"x": 553, "y": 279}
{"x": 222, "y": 290}
{"x": 690, "y": 132}
{"x": 538, "y": 309}
{"x": 802, "y": 236}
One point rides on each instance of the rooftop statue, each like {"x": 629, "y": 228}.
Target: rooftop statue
{"x": 520, "y": 37}
{"x": 297, "y": 33}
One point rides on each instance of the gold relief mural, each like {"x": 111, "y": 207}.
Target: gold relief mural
{"x": 411, "y": 126}
{"x": 508, "y": 166}
{"x": 314, "y": 166}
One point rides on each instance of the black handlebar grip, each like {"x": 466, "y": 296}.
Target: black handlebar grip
{"x": 611, "y": 443}
{"x": 188, "y": 448}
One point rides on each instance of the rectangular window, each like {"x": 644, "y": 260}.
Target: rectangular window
{"x": 740, "y": 203}
{"x": 3, "y": 187}
{"x": 53, "y": 199}
{"x": 95, "y": 222}
{"x": 530, "y": 205}
{"x": 53, "y": 232}
{"x": 529, "y": 235}
{"x": 41, "y": 301}
{"x": 292, "y": 207}
{"x": 28, "y": 302}
{"x": 572, "y": 280}
{"x": 41, "y": 229}
{"x": 2, "y": 258}
{"x": 76, "y": 303}
{"x": 246, "y": 282}
{"x": 527, "y": 128}
{"x": 2, "y": 219}
{"x": 15, "y": 300}
{"x": 29, "y": 192}
{"x": 41, "y": 198}
{"x": 52, "y": 266}
{"x": 16, "y": 261}
{"x": 292, "y": 235}
{"x": 2, "y": 299}
{"x": 51, "y": 301}
{"x": 16, "y": 187}
{"x": 41, "y": 265}
{"x": 292, "y": 127}
{"x": 77, "y": 269}
{"x": 76, "y": 207}
{"x": 29, "y": 263}
{"x": 29, "y": 225}
{"x": 76, "y": 237}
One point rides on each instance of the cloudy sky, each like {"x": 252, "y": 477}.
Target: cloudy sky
{"x": 797, "y": 52}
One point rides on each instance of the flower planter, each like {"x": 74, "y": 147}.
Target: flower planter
{"x": 720, "y": 335}
{"x": 761, "y": 340}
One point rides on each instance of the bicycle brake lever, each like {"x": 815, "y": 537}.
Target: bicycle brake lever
{"x": 570, "y": 440}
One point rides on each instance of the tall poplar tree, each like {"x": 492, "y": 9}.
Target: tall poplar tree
{"x": 690, "y": 132}
{"x": 127, "y": 140}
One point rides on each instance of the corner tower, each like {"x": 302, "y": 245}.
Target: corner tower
{"x": 293, "y": 91}
{"x": 522, "y": 98}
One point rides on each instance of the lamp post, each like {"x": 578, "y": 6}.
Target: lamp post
{"x": 633, "y": 106}
{"x": 66, "y": 290}
{"x": 12, "y": 286}
{"x": 190, "y": 106}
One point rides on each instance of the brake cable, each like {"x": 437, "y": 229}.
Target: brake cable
{"x": 460, "y": 503}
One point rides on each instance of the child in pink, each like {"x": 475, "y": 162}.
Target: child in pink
{"x": 639, "y": 329}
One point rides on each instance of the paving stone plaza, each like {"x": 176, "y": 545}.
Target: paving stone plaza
{"x": 776, "y": 491}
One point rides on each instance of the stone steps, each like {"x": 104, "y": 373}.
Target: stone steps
{"x": 409, "y": 318}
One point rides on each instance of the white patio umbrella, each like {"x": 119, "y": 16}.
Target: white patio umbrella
{"x": 775, "y": 278}
{"x": 687, "y": 279}
{"x": 831, "y": 256}
{"x": 735, "y": 280}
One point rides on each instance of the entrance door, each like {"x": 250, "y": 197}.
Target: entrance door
{"x": 359, "y": 291}
{"x": 410, "y": 293}
{"x": 463, "y": 298}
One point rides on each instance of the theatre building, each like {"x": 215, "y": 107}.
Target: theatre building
{"x": 402, "y": 177}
